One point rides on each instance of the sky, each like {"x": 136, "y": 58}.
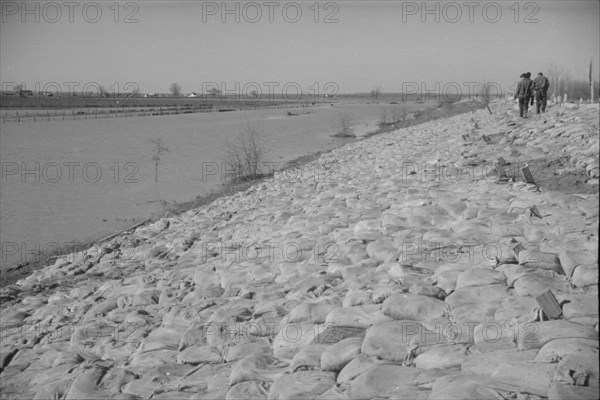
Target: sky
{"x": 339, "y": 46}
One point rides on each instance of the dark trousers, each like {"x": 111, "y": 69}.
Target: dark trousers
{"x": 541, "y": 98}
{"x": 523, "y": 105}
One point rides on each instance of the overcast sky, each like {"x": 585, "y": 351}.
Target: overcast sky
{"x": 355, "y": 44}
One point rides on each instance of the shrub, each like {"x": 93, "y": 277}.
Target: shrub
{"x": 246, "y": 152}
{"x": 343, "y": 126}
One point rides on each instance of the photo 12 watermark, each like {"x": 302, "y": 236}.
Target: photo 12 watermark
{"x": 70, "y": 93}
{"x": 441, "y": 92}
{"x": 87, "y": 333}
{"x": 74, "y": 252}
{"x": 463, "y": 172}
{"x": 453, "y": 12}
{"x": 273, "y": 171}
{"x": 252, "y": 12}
{"x": 53, "y": 12}
{"x": 269, "y": 91}
{"x": 471, "y": 252}
{"x": 69, "y": 172}
{"x": 270, "y": 251}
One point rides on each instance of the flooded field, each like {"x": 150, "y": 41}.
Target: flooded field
{"x": 80, "y": 180}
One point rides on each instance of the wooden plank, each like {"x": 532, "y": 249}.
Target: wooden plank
{"x": 527, "y": 175}
{"x": 535, "y": 212}
{"x": 547, "y": 301}
{"x": 500, "y": 171}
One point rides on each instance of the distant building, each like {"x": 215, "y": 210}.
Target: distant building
{"x": 193, "y": 94}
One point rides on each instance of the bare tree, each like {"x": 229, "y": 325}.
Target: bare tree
{"x": 398, "y": 114}
{"x": 376, "y": 92}
{"x": 343, "y": 126}
{"x": 175, "y": 89}
{"x": 393, "y": 115}
{"x": 559, "y": 79}
{"x": 19, "y": 89}
{"x": 214, "y": 91}
{"x": 104, "y": 92}
{"x": 246, "y": 152}
{"x": 159, "y": 150}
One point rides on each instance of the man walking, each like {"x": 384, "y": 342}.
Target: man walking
{"x": 541, "y": 85}
{"x": 524, "y": 92}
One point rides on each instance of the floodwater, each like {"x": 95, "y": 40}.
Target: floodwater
{"x": 81, "y": 180}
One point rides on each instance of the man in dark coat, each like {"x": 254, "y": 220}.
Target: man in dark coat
{"x": 524, "y": 92}
{"x": 541, "y": 85}
{"x": 528, "y": 76}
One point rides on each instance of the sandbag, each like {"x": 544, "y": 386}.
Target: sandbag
{"x": 368, "y": 230}
{"x": 536, "y": 334}
{"x": 426, "y": 378}
{"x": 477, "y": 294}
{"x": 479, "y": 276}
{"x": 477, "y": 312}
{"x": 556, "y": 349}
{"x": 585, "y": 275}
{"x": 336, "y": 356}
{"x": 427, "y": 290}
{"x": 534, "y": 285}
{"x": 333, "y": 334}
{"x": 116, "y": 378}
{"x": 515, "y": 307}
{"x": 535, "y": 378}
{"x": 301, "y": 385}
{"x": 532, "y": 257}
{"x": 442, "y": 356}
{"x": 584, "y": 308}
{"x": 54, "y": 390}
{"x": 357, "y": 317}
{"x": 247, "y": 391}
{"x": 389, "y": 340}
{"x": 310, "y": 312}
{"x": 559, "y": 391}
{"x": 404, "y": 306}
{"x": 198, "y": 354}
{"x": 356, "y": 298}
{"x": 484, "y": 364}
{"x": 237, "y": 351}
{"x": 358, "y": 365}
{"x": 410, "y": 392}
{"x": 464, "y": 387}
{"x": 578, "y": 369}
{"x": 309, "y": 357}
{"x": 85, "y": 385}
{"x": 382, "y": 249}
{"x": 336, "y": 392}
{"x": 292, "y": 337}
{"x": 257, "y": 367}
{"x": 381, "y": 381}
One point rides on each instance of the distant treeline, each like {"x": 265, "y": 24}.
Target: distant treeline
{"x": 114, "y": 101}
{"x": 575, "y": 89}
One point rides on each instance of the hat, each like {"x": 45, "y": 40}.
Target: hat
{"x": 539, "y": 73}
{"x": 528, "y": 74}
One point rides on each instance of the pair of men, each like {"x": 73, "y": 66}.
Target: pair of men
{"x": 525, "y": 92}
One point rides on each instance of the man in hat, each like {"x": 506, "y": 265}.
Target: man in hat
{"x": 524, "y": 92}
{"x": 541, "y": 85}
